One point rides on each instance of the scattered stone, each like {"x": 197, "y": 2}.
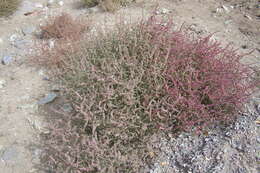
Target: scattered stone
{"x": 219, "y": 10}
{"x": 227, "y": 22}
{"x": 61, "y": 3}
{"x": 9, "y": 154}
{"x": 2, "y": 83}
{"x": 244, "y": 46}
{"x": 49, "y": 98}
{"x": 21, "y": 43}
{"x": 51, "y": 44}
{"x": 95, "y": 9}
{"x": 67, "y": 107}
{"x": 7, "y": 60}
{"x": 221, "y": 151}
{"x": 50, "y": 3}
{"x": 46, "y": 78}
{"x": 38, "y": 5}
{"x": 163, "y": 11}
{"x": 249, "y": 17}
{"x": 13, "y": 37}
{"x": 28, "y": 30}
{"x": 226, "y": 8}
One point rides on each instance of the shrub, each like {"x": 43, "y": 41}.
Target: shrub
{"x": 130, "y": 85}
{"x": 90, "y": 3}
{"x": 7, "y": 7}
{"x": 107, "y": 5}
{"x": 63, "y": 27}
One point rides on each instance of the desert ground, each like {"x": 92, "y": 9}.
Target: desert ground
{"x": 23, "y": 85}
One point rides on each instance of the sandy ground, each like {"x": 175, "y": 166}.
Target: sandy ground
{"x": 22, "y": 85}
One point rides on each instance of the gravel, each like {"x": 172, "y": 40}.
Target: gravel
{"x": 231, "y": 150}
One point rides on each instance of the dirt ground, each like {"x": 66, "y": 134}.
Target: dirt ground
{"x": 22, "y": 85}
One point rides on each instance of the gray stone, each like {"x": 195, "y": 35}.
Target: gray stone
{"x": 7, "y": 60}
{"x": 95, "y": 9}
{"x": 38, "y": 5}
{"x": 49, "y": 98}
{"x": 2, "y": 83}
{"x": 9, "y": 154}
{"x": 67, "y": 107}
{"x": 61, "y": 3}
{"x": 28, "y": 30}
{"x": 163, "y": 11}
{"x": 226, "y": 8}
{"x": 13, "y": 37}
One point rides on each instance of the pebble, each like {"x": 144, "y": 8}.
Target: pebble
{"x": 10, "y": 154}
{"x": 21, "y": 43}
{"x": 13, "y": 37}
{"x": 38, "y": 5}
{"x": 61, "y": 3}
{"x": 67, "y": 107}
{"x": 49, "y": 98}
{"x": 7, "y": 60}
{"x": 249, "y": 17}
{"x": 163, "y": 11}
{"x": 1, "y": 41}
{"x": 95, "y": 9}
{"x": 226, "y": 8}
{"x": 51, "y": 44}
{"x": 28, "y": 30}
{"x": 2, "y": 83}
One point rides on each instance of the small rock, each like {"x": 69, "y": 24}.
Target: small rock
{"x": 2, "y": 83}
{"x": 163, "y": 11}
{"x": 51, "y": 44}
{"x": 50, "y": 2}
{"x": 225, "y": 8}
{"x": 95, "y": 9}
{"x": 49, "y": 98}
{"x": 21, "y": 43}
{"x": 7, "y": 60}
{"x": 13, "y": 37}
{"x": 219, "y": 10}
{"x": 38, "y": 5}
{"x": 1, "y": 41}
{"x": 10, "y": 154}
{"x": 244, "y": 46}
{"x": 67, "y": 107}
{"x": 28, "y": 30}
{"x": 61, "y": 3}
{"x": 227, "y": 22}
{"x": 249, "y": 17}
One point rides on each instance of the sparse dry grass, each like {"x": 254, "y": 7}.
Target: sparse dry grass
{"x": 8, "y": 7}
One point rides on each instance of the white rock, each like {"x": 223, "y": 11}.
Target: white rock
{"x": 225, "y": 8}
{"x": 13, "y": 37}
{"x": 51, "y": 44}
{"x": 61, "y": 3}
{"x": 219, "y": 10}
{"x": 163, "y": 11}
{"x": 50, "y": 1}
{"x": 2, "y": 83}
{"x": 249, "y": 17}
{"x": 38, "y": 5}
